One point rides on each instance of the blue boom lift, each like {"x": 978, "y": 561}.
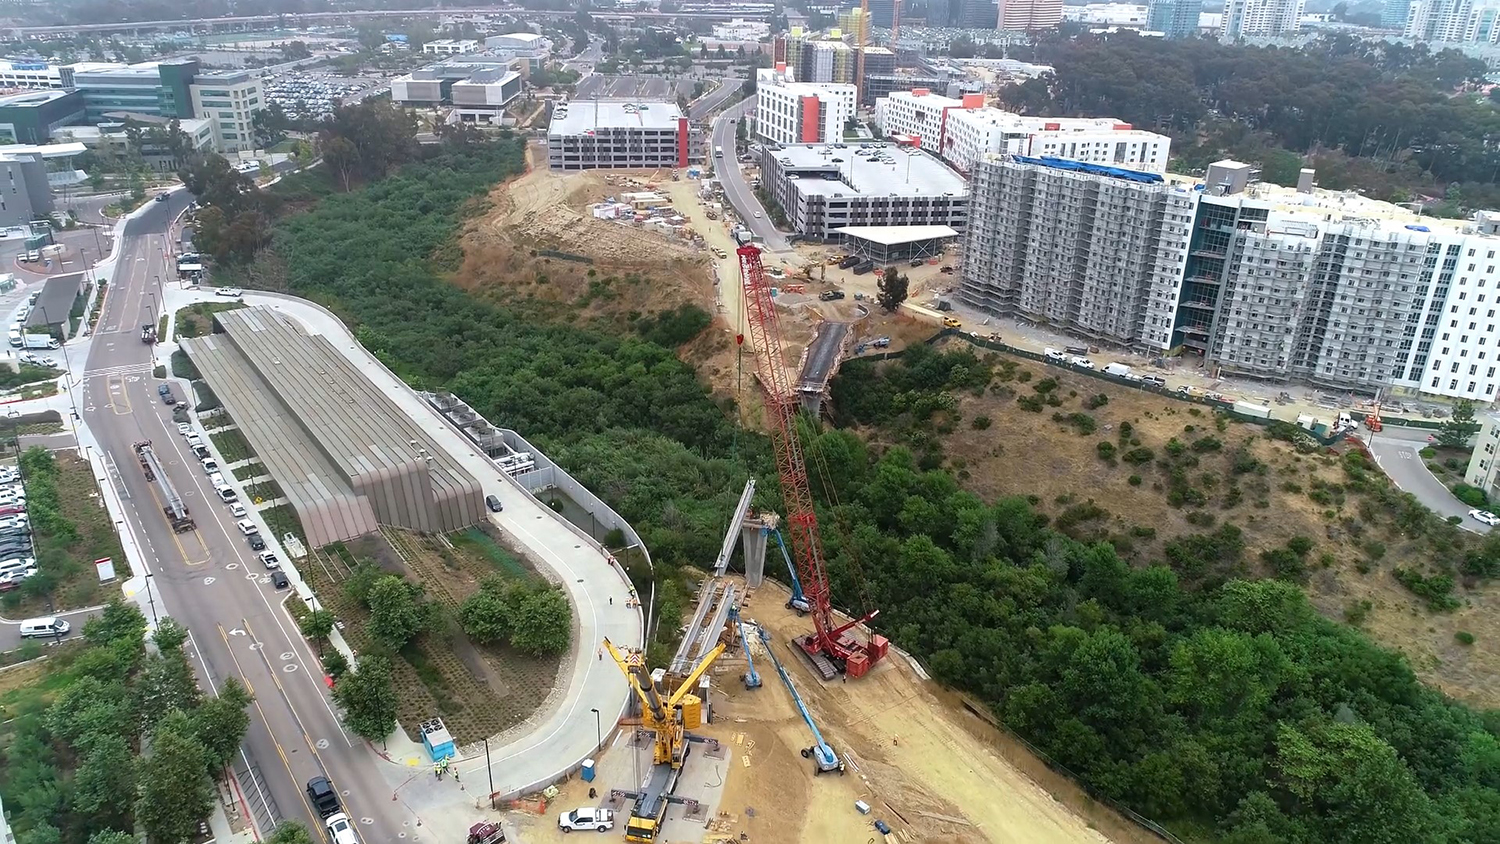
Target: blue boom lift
{"x": 798, "y": 601}
{"x": 822, "y": 755}
{"x": 752, "y": 677}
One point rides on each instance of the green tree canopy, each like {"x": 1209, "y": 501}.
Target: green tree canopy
{"x": 368, "y": 698}
{"x": 175, "y": 791}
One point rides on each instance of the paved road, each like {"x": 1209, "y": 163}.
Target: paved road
{"x": 207, "y": 578}
{"x": 729, "y": 86}
{"x": 823, "y": 355}
{"x": 1396, "y": 450}
{"x": 736, "y": 189}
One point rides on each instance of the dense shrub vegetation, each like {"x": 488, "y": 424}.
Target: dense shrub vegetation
{"x": 1196, "y": 697}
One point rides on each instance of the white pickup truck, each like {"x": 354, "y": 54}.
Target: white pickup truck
{"x": 599, "y": 820}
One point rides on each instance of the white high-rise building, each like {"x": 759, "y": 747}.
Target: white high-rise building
{"x": 1256, "y": 18}
{"x": 789, "y": 112}
{"x": 1454, "y": 21}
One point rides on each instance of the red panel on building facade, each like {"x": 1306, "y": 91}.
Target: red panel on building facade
{"x": 682, "y": 142}
{"x": 811, "y": 120}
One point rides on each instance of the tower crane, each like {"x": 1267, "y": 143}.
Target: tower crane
{"x": 831, "y": 647}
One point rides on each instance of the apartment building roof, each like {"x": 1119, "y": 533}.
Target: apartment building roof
{"x": 1094, "y": 169}
{"x": 868, "y": 170}
{"x": 584, "y": 116}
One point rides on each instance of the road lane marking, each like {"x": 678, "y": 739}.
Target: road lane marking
{"x": 255, "y": 700}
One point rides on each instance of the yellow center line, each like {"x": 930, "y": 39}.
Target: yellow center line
{"x": 251, "y": 689}
{"x": 298, "y": 718}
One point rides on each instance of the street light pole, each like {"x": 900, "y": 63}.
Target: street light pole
{"x": 151, "y": 596}
{"x": 598, "y": 731}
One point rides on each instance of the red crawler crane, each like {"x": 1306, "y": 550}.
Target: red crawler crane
{"x": 831, "y": 647}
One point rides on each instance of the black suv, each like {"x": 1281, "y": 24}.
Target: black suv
{"x": 256, "y": 543}
{"x": 324, "y": 798}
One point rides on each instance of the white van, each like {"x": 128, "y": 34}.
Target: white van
{"x": 15, "y": 338}
{"x": 44, "y": 628}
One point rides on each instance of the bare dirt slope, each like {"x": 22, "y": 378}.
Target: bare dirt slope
{"x": 928, "y": 768}
{"x": 618, "y": 268}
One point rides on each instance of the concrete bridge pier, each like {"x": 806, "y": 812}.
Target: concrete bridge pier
{"x": 753, "y": 539}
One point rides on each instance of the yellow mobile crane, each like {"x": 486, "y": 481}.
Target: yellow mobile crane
{"x": 669, "y": 717}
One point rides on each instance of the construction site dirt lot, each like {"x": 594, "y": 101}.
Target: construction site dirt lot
{"x": 605, "y": 267}
{"x": 927, "y": 767}
{"x": 1357, "y": 545}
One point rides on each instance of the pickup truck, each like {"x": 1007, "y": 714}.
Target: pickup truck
{"x": 600, "y": 820}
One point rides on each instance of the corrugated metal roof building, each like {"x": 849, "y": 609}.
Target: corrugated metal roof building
{"x": 346, "y": 457}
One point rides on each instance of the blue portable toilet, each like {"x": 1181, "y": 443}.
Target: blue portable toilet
{"x": 588, "y": 770}
{"x": 437, "y": 740}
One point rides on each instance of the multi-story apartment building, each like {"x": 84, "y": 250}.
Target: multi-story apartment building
{"x": 788, "y": 112}
{"x": 823, "y": 188}
{"x": 1308, "y": 286}
{"x": 636, "y": 136}
{"x": 1029, "y": 15}
{"x": 1079, "y": 246}
{"x": 962, "y": 131}
{"x": 229, "y": 99}
{"x": 1257, "y": 18}
{"x": 1453, "y": 21}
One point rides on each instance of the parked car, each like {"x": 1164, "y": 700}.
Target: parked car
{"x": 279, "y": 579}
{"x": 256, "y": 543}
{"x": 1485, "y": 517}
{"x": 246, "y": 526}
{"x": 237, "y": 509}
{"x": 268, "y": 559}
{"x": 231, "y": 292}
{"x": 185, "y": 429}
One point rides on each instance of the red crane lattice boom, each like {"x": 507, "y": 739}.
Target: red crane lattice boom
{"x": 831, "y": 645}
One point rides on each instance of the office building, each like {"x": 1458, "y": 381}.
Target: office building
{"x": 963, "y": 130}
{"x": 229, "y": 100}
{"x": 1261, "y": 18}
{"x": 788, "y": 112}
{"x": 602, "y": 135}
{"x": 1174, "y": 18}
{"x": 1395, "y": 13}
{"x": 823, "y": 188}
{"x": 31, "y": 117}
{"x": 159, "y": 88}
{"x": 1307, "y": 286}
{"x": 111, "y": 136}
{"x": 883, "y": 13}
{"x": 26, "y": 178}
{"x": 450, "y": 47}
{"x": 530, "y": 50}
{"x": 1029, "y": 15}
{"x": 879, "y": 86}
{"x": 476, "y": 87}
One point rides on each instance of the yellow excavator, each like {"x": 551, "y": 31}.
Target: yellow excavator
{"x": 669, "y": 717}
